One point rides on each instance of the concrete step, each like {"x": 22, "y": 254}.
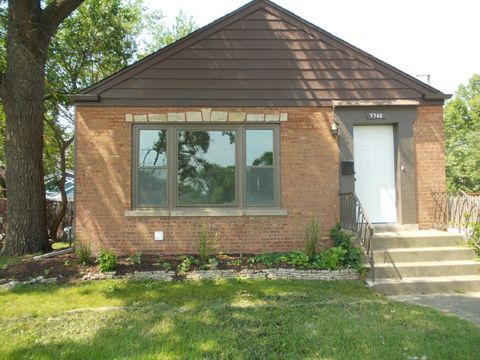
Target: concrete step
{"x": 394, "y": 227}
{"x": 427, "y": 268}
{"x": 427, "y": 285}
{"x": 415, "y": 239}
{"x": 439, "y": 253}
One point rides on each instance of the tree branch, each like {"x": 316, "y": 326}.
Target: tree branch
{"x": 56, "y": 12}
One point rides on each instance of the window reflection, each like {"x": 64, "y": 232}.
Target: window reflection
{"x": 152, "y": 170}
{"x": 260, "y": 182}
{"x": 206, "y": 167}
{"x": 153, "y": 148}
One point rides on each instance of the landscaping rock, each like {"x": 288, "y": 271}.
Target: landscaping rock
{"x": 3, "y": 281}
{"x": 154, "y": 275}
{"x": 49, "y": 280}
{"x": 11, "y": 284}
{"x": 100, "y": 276}
{"x": 274, "y": 274}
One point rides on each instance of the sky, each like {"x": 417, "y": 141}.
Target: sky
{"x": 440, "y": 38}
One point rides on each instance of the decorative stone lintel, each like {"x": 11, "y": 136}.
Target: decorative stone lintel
{"x": 194, "y": 116}
{"x": 256, "y": 117}
{"x": 176, "y": 117}
{"x": 237, "y": 116}
{"x": 272, "y": 117}
{"x": 219, "y": 116}
{"x": 207, "y": 115}
{"x": 140, "y": 118}
{"x": 157, "y": 117}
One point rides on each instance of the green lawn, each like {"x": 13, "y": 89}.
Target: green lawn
{"x": 227, "y": 319}
{"x": 59, "y": 245}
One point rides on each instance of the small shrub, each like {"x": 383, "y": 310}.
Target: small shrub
{"x": 83, "y": 252}
{"x": 312, "y": 235}
{"x": 135, "y": 259}
{"x": 186, "y": 264}
{"x": 353, "y": 256}
{"x": 167, "y": 266}
{"x": 268, "y": 259}
{"x": 107, "y": 261}
{"x": 206, "y": 246}
{"x": 297, "y": 259}
{"x": 363, "y": 272}
{"x": 475, "y": 237}
{"x": 236, "y": 262}
{"x": 213, "y": 263}
{"x": 340, "y": 237}
{"x": 332, "y": 259}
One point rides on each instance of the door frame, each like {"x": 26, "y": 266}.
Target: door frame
{"x": 402, "y": 118}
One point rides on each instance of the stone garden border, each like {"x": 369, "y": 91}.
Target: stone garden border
{"x": 273, "y": 274}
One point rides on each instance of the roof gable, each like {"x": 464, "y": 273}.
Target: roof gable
{"x": 259, "y": 55}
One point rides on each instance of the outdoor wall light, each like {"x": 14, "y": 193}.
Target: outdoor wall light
{"x": 334, "y": 128}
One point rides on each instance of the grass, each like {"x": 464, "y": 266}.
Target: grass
{"x": 119, "y": 319}
{"x": 11, "y": 260}
{"x": 59, "y": 245}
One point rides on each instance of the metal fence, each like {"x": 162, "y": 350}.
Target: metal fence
{"x": 460, "y": 212}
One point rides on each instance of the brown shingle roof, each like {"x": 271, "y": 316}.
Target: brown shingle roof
{"x": 259, "y": 55}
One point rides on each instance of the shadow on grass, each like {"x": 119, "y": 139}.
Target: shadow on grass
{"x": 252, "y": 320}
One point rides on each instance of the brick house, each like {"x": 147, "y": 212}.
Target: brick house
{"x": 252, "y": 125}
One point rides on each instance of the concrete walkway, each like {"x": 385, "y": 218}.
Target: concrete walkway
{"x": 465, "y": 305}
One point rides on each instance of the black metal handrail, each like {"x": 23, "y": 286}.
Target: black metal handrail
{"x": 459, "y": 212}
{"x": 354, "y": 218}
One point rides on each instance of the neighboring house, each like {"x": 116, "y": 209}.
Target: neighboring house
{"x": 252, "y": 125}
{"x": 51, "y": 188}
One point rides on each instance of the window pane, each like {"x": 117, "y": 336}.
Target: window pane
{"x": 259, "y": 147}
{"x": 152, "y": 148}
{"x": 260, "y": 186}
{"x": 206, "y": 167}
{"x": 152, "y": 187}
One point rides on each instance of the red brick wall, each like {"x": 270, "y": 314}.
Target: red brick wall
{"x": 309, "y": 188}
{"x": 430, "y": 161}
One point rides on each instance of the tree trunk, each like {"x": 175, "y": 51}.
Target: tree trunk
{"x": 23, "y": 101}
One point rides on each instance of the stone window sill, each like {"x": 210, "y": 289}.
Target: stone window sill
{"x": 204, "y": 212}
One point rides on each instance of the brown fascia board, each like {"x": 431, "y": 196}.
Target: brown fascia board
{"x": 171, "y": 49}
{"x": 397, "y": 74}
{"x": 84, "y": 97}
{"x": 436, "y": 96}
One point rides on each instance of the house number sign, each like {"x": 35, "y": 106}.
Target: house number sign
{"x": 376, "y": 116}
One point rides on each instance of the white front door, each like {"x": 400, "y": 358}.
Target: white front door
{"x": 375, "y": 171}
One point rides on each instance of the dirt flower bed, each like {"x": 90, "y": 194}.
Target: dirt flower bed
{"x": 338, "y": 262}
{"x": 67, "y": 268}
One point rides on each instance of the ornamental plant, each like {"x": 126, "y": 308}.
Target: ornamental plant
{"x": 107, "y": 261}
{"x": 312, "y": 235}
{"x": 206, "y": 245}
